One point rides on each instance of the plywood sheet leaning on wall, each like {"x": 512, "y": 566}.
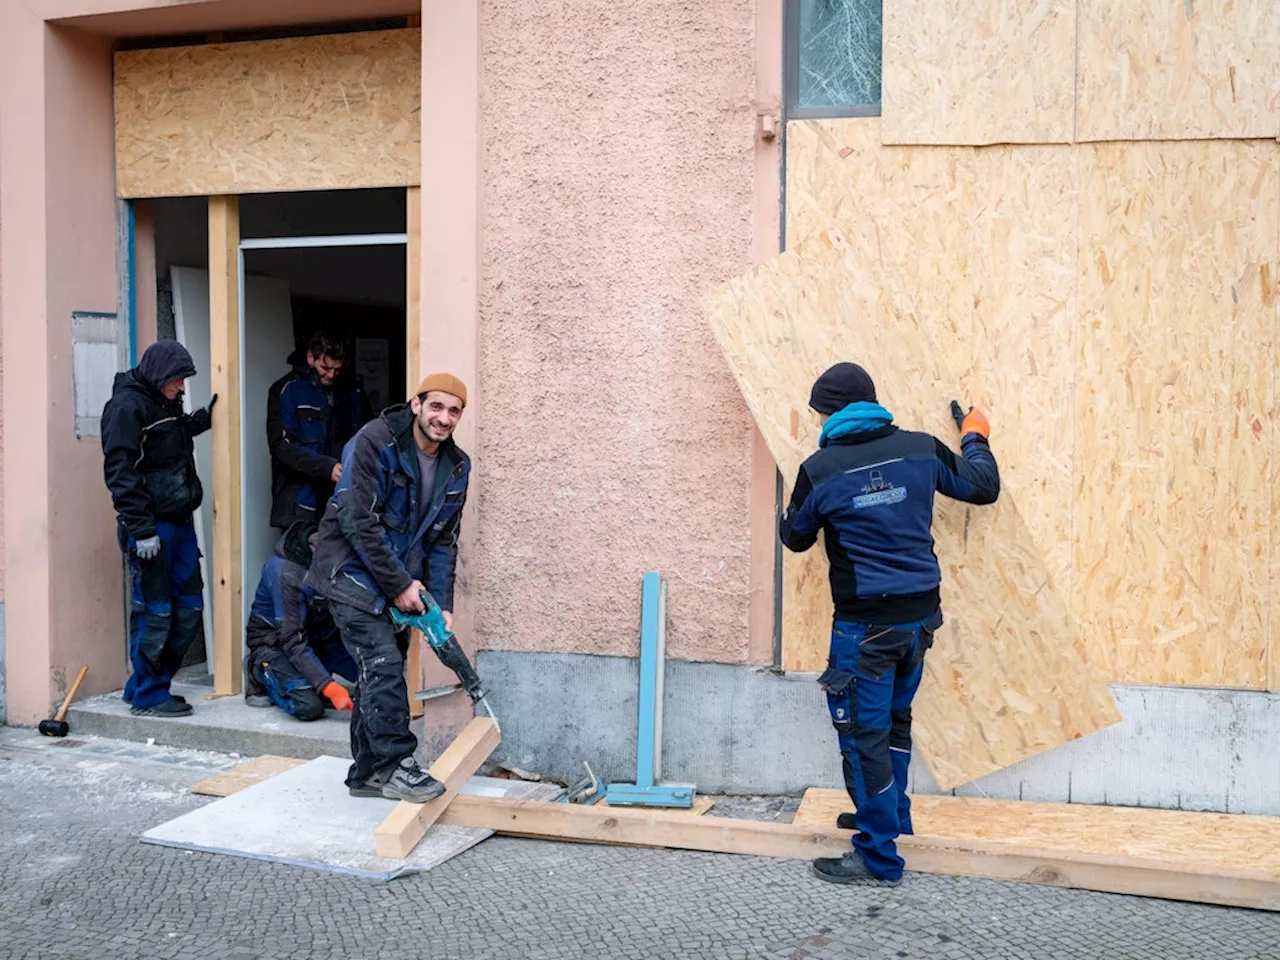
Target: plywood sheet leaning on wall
{"x": 1159, "y": 70}
{"x": 1174, "y": 409}
{"x": 303, "y": 113}
{"x": 1006, "y": 678}
{"x": 985, "y": 242}
{"x": 976, "y": 72}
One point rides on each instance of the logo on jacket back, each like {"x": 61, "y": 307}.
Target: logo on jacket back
{"x": 879, "y": 493}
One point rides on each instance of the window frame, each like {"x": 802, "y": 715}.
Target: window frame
{"x": 792, "y": 109}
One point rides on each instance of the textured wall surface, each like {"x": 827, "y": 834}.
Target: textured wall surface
{"x": 743, "y": 729}
{"x": 618, "y": 185}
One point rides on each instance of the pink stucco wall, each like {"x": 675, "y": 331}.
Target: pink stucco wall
{"x": 618, "y": 166}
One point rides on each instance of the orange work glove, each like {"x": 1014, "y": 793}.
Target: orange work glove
{"x": 337, "y": 695}
{"x": 976, "y": 422}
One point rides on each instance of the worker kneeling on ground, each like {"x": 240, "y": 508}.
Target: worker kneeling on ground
{"x": 294, "y": 647}
{"x": 150, "y": 468}
{"x": 870, "y": 488}
{"x": 392, "y": 524}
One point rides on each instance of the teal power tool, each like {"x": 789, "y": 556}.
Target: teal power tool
{"x": 445, "y": 646}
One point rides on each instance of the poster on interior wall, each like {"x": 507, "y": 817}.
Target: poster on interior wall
{"x": 373, "y": 364}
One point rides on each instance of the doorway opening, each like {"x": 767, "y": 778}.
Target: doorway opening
{"x": 332, "y": 261}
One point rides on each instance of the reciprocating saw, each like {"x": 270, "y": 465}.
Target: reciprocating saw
{"x": 444, "y": 644}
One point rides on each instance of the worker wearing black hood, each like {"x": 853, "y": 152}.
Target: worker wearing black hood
{"x": 150, "y": 469}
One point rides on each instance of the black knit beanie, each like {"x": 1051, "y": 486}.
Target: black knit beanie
{"x": 839, "y": 386}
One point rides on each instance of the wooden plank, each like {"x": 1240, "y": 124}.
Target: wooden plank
{"x": 976, "y": 72}
{"x": 1006, "y": 678}
{"x": 413, "y": 377}
{"x": 408, "y": 823}
{"x": 976, "y": 858}
{"x": 334, "y": 111}
{"x": 1180, "y": 838}
{"x": 224, "y": 352}
{"x": 245, "y": 775}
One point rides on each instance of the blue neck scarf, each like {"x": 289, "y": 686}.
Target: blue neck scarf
{"x": 859, "y": 417}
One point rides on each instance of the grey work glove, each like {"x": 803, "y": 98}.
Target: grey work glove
{"x": 147, "y": 548}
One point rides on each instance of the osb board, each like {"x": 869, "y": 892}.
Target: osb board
{"x": 985, "y": 239}
{"x": 979, "y": 72}
{"x": 304, "y": 113}
{"x": 245, "y": 775}
{"x": 1174, "y": 400}
{"x": 1165, "y": 70}
{"x": 1230, "y": 841}
{"x": 1005, "y": 679}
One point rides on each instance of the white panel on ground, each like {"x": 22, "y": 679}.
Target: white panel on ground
{"x": 267, "y": 341}
{"x": 191, "y": 328}
{"x": 306, "y": 817}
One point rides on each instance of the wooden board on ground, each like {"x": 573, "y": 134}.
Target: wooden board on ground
{"x": 408, "y": 823}
{"x": 1177, "y": 837}
{"x": 245, "y": 775}
{"x": 1233, "y": 886}
{"x": 1006, "y": 678}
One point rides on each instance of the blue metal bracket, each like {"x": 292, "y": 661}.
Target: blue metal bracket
{"x": 646, "y": 791}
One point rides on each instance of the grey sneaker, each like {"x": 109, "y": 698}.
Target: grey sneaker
{"x": 410, "y": 782}
{"x": 850, "y": 868}
{"x": 168, "y": 708}
{"x": 257, "y": 700}
{"x": 370, "y": 788}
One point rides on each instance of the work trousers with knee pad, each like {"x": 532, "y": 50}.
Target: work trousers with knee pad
{"x": 380, "y": 735}
{"x": 166, "y": 610}
{"x": 872, "y": 676}
{"x": 284, "y": 684}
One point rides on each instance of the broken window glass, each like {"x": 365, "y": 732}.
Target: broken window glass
{"x": 839, "y": 44}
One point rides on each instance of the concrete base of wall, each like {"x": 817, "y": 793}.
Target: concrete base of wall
{"x": 737, "y": 729}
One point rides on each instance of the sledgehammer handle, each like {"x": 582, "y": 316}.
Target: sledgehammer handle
{"x": 71, "y": 695}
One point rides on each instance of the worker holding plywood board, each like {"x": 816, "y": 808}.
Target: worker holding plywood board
{"x": 870, "y": 486}
{"x": 1006, "y": 678}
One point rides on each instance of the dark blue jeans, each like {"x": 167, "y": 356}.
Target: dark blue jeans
{"x": 284, "y": 683}
{"x": 167, "y": 604}
{"x": 871, "y": 678}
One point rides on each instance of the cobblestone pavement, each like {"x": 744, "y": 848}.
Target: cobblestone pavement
{"x": 75, "y": 882}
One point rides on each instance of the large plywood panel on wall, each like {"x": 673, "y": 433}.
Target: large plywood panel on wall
{"x": 304, "y": 113}
{"x": 979, "y": 71}
{"x": 984, "y": 241}
{"x": 1006, "y": 678}
{"x": 1174, "y": 409}
{"x": 1164, "y": 70}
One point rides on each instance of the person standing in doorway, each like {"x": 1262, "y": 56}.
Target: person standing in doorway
{"x": 149, "y": 466}
{"x": 870, "y": 489}
{"x": 391, "y": 527}
{"x": 311, "y": 414}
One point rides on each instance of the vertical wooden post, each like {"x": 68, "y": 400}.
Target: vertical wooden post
{"x": 224, "y": 352}
{"x": 413, "y": 376}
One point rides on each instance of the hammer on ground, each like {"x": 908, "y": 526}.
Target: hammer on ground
{"x": 58, "y": 727}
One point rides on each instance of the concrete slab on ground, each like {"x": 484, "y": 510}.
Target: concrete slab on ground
{"x": 306, "y": 817}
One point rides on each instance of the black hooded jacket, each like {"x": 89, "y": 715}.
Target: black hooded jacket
{"x": 148, "y": 457}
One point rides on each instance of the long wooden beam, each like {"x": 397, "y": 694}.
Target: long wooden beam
{"x": 399, "y": 833}
{"x": 224, "y": 356}
{"x": 979, "y": 858}
{"x": 412, "y": 366}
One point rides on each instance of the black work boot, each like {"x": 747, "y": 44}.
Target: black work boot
{"x": 846, "y": 822}
{"x": 370, "y": 788}
{"x": 169, "y": 708}
{"x": 410, "y": 782}
{"x": 850, "y": 868}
